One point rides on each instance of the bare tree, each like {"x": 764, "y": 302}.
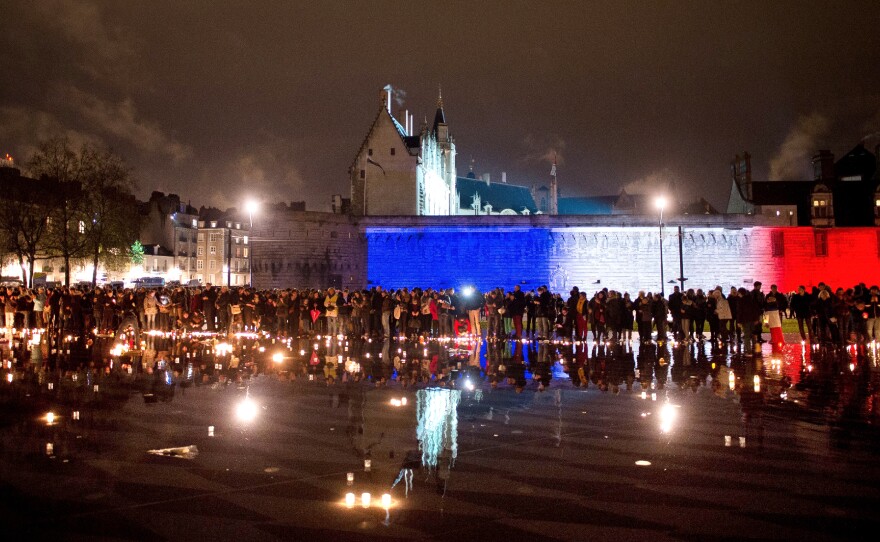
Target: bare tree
{"x": 113, "y": 222}
{"x": 24, "y": 209}
{"x": 56, "y": 161}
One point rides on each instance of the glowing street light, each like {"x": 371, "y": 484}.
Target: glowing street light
{"x": 660, "y": 203}
{"x": 252, "y": 207}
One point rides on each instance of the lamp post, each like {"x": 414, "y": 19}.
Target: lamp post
{"x": 251, "y": 207}
{"x": 229, "y": 257}
{"x": 660, "y": 202}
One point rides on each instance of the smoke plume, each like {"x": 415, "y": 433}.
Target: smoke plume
{"x": 792, "y": 161}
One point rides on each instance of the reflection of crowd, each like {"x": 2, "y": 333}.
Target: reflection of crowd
{"x": 823, "y": 315}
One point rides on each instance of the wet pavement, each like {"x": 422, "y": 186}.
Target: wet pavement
{"x": 250, "y": 439}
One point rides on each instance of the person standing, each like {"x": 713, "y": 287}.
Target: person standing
{"x": 872, "y": 307}
{"x": 474, "y": 307}
{"x": 517, "y": 309}
{"x": 800, "y": 307}
{"x": 748, "y": 315}
{"x": 531, "y": 313}
{"x": 758, "y": 298}
{"x": 39, "y": 307}
{"x": 722, "y": 314}
{"x": 773, "y": 307}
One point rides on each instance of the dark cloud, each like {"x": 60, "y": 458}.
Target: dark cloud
{"x": 216, "y": 100}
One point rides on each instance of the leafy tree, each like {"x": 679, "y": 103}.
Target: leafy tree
{"x": 136, "y": 253}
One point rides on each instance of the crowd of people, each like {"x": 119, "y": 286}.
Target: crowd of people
{"x": 836, "y": 316}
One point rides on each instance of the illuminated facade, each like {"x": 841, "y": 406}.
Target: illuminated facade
{"x": 223, "y": 248}
{"x": 398, "y": 172}
{"x": 599, "y": 252}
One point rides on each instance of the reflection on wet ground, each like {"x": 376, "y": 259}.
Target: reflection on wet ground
{"x": 263, "y": 437}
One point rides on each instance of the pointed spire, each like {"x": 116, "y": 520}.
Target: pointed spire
{"x": 440, "y": 115}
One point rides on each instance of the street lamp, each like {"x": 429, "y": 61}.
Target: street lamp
{"x": 660, "y": 203}
{"x": 251, "y": 206}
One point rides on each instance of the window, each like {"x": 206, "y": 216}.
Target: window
{"x": 229, "y": 225}
{"x": 820, "y": 208}
{"x": 201, "y": 237}
{"x": 200, "y": 264}
{"x": 212, "y": 264}
{"x": 201, "y": 251}
{"x": 363, "y": 174}
{"x": 820, "y": 239}
{"x": 195, "y": 223}
{"x": 212, "y": 249}
{"x": 82, "y": 226}
{"x": 392, "y": 151}
{"x": 245, "y": 252}
{"x": 213, "y": 223}
{"x": 777, "y": 243}
{"x": 214, "y": 237}
{"x": 245, "y": 239}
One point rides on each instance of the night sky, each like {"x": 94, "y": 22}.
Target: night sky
{"x": 218, "y": 101}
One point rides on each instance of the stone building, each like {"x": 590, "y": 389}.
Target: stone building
{"x": 399, "y": 172}
{"x": 845, "y": 192}
{"x": 223, "y": 247}
{"x": 172, "y": 224}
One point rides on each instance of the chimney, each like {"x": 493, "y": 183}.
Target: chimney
{"x": 486, "y": 177}
{"x": 385, "y": 97}
{"x": 504, "y": 177}
{"x": 823, "y": 165}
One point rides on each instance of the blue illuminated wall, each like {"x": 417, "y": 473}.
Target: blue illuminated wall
{"x": 448, "y": 256}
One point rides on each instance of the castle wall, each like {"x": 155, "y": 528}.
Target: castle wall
{"x": 308, "y": 250}
{"x": 621, "y": 253}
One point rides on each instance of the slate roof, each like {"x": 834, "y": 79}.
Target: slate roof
{"x": 597, "y": 205}
{"x": 500, "y": 195}
{"x": 439, "y": 118}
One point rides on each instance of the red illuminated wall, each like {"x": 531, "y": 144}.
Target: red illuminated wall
{"x": 853, "y": 256}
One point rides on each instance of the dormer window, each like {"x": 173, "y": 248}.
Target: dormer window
{"x": 820, "y": 208}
